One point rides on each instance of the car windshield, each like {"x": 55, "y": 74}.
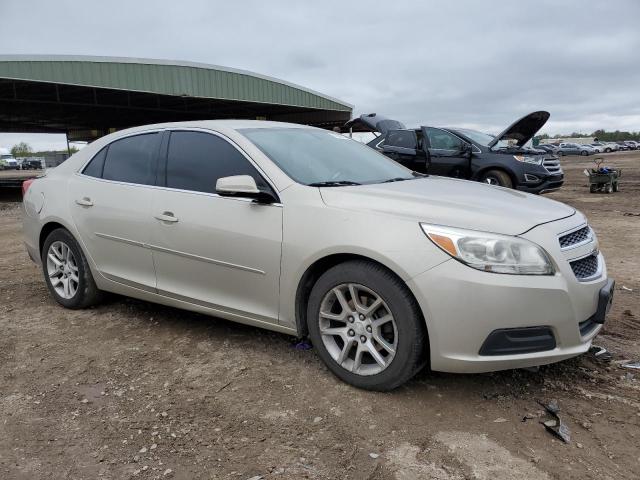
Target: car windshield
{"x": 482, "y": 138}
{"x": 324, "y": 158}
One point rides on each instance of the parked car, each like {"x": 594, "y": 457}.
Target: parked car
{"x": 469, "y": 154}
{"x": 602, "y": 147}
{"x": 614, "y": 147}
{"x": 622, "y": 146}
{"x": 633, "y": 145}
{"x": 574, "y": 149}
{"x": 547, "y": 147}
{"x": 8, "y": 162}
{"x": 31, "y": 164}
{"x": 306, "y": 232}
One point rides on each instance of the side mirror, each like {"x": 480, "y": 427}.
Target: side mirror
{"x": 242, "y": 186}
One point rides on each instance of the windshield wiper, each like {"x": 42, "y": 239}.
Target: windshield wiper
{"x": 333, "y": 183}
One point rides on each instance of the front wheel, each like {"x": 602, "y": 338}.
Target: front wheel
{"x": 497, "y": 177}
{"x": 607, "y": 150}
{"x": 66, "y": 271}
{"x": 366, "y": 326}
{"x": 584, "y": 153}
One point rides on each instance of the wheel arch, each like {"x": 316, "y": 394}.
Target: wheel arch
{"x": 502, "y": 168}
{"x": 46, "y": 229}
{"x": 320, "y": 266}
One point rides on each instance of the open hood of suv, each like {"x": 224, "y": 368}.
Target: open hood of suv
{"x": 376, "y": 123}
{"x": 524, "y": 129}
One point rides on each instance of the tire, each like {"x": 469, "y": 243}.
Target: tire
{"x": 615, "y": 187}
{"x": 405, "y": 332}
{"x": 74, "y": 266}
{"x": 497, "y": 177}
{"x": 607, "y": 188}
{"x": 561, "y": 153}
{"x": 584, "y": 153}
{"x": 593, "y": 188}
{"x": 607, "y": 150}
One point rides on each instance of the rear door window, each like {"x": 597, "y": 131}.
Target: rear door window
{"x": 95, "y": 166}
{"x": 196, "y": 160}
{"x": 132, "y": 159}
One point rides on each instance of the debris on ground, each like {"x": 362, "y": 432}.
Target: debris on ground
{"x": 555, "y": 425}
{"x": 600, "y": 353}
{"x": 528, "y": 416}
{"x": 633, "y": 365}
{"x": 303, "y": 344}
{"x": 626, "y": 288}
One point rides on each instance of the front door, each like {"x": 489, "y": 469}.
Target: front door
{"x": 445, "y": 154}
{"x": 219, "y": 252}
{"x": 110, "y": 203}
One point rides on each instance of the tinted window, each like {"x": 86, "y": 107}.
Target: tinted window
{"x": 402, "y": 138}
{"x": 441, "y": 140}
{"x": 95, "y": 166}
{"x": 195, "y": 161}
{"x": 132, "y": 159}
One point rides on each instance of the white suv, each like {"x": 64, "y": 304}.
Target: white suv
{"x": 306, "y": 232}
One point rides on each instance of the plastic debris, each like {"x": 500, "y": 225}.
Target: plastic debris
{"x": 555, "y": 425}
{"x": 600, "y": 353}
{"x": 633, "y": 365}
{"x": 303, "y": 345}
{"x": 627, "y": 289}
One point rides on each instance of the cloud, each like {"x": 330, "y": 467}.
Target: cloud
{"x": 437, "y": 62}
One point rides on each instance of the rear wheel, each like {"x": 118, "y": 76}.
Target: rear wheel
{"x": 584, "y": 153}
{"x": 607, "y": 150}
{"x": 497, "y": 177}
{"x": 593, "y": 188}
{"x": 366, "y": 326}
{"x": 615, "y": 187}
{"x": 67, "y": 272}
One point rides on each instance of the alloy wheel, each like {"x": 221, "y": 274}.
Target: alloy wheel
{"x": 62, "y": 269}
{"x": 358, "y": 329}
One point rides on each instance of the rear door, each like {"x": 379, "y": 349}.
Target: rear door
{"x": 219, "y": 252}
{"x": 402, "y": 146}
{"x": 110, "y": 205}
{"x": 445, "y": 153}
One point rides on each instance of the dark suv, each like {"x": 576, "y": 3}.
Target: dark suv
{"x": 463, "y": 153}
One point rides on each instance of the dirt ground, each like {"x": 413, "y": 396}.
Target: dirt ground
{"x": 134, "y": 390}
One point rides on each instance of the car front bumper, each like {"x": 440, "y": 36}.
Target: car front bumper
{"x": 479, "y": 321}
{"x": 547, "y": 183}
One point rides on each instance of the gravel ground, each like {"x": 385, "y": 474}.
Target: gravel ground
{"x": 130, "y": 389}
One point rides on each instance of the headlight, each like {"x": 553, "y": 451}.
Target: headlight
{"x": 528, "y": 159}
{"x": 491, "y": 252}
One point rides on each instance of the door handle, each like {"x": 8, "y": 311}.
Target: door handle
{"x": 85, "y": 202}
{"x": 166, "y": 217}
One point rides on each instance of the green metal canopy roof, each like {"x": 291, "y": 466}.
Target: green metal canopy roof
{"x": 91, "y": 96}
{"x": 164, "y": 77}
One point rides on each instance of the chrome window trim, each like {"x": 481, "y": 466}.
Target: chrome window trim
{"x": 156, "y": 187}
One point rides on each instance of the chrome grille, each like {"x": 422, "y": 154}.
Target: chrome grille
{"x": 585, "y": 267}
{"x": 552, "y": 164}
{"x": 579, "y": 236}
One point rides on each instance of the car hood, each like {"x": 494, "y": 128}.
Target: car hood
{"x": 450, "y": 202}
{"x": 524, "y": 129}
{"x": 376, "y": 123}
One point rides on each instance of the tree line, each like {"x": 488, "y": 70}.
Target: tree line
{"x": 23, "y": 149}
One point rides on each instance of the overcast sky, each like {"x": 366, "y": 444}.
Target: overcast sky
{"x": 469, "y": 63}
